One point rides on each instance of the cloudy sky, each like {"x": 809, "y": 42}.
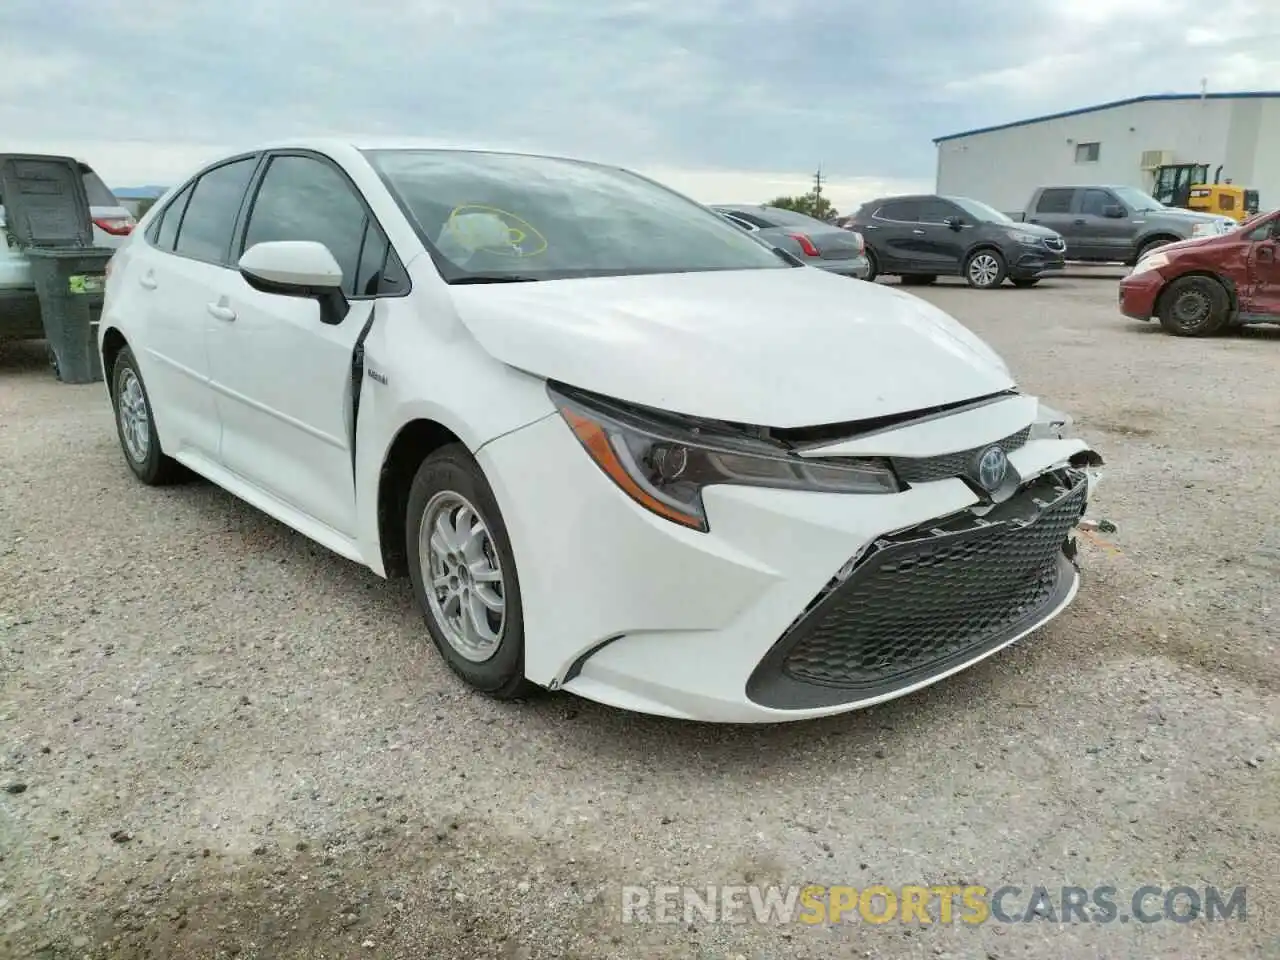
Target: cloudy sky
{"x": 728, "y": 100}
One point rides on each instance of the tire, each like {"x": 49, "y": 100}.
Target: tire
{"x": 1194, "y": 307}
{"x": 918, "y": 279}
{"x": 1150, "y": 245}
{"x": 985, "y": 269}
{"x": 1024, "y": 283}
{"x": 136, "y": 427}
{"x": 873, "y": 268}
{"x": 447, "y": 484}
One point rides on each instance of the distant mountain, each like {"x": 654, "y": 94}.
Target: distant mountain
{"x": 139, "y": 193}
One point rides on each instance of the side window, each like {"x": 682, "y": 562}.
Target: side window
{"x": 1055, "y": 200}
{"x": 210, "y": 218}
{"x": 165, "y": 230}
{"x": 903, "y": 211}
{"x": 1095, "y": 201}
{"x": 934, "y": 210}
{"x": 379, "y": 271}
{"x": 1264, "y": 232}
{"x": 302, "y": 198}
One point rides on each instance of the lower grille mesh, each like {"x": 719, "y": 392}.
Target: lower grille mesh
{"x": 922, "y": 599}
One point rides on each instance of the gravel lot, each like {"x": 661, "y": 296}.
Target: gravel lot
{"x": 235, "y": 744}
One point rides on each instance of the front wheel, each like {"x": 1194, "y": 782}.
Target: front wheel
{"x": 464, "y": 574}
{"x": 1194, "y": 307}
{"x": 985, "y": 269}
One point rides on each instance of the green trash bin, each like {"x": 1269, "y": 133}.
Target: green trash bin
{"x": 69, "y": 284}
{"x": 48, "y": 214}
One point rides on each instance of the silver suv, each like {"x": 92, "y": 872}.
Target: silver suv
{"x": 19, "y": 307}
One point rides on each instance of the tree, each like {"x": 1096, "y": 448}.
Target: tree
{"x": 811, "y": 204}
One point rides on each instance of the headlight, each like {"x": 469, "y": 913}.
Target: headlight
{"x": 663, "y": 461}
{"x": 1152, "y": 261}
{"x": 1017, "y": 236}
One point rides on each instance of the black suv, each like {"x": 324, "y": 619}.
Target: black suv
{"x": 921, "y": 238}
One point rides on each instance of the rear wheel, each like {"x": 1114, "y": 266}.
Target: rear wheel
{"x": 1194, "y": 307}
{"x": 136, "y": 426}
{"x": 918, "y": 279}
{"x": 985, "y": 269}
{"x": 873, "y": 268}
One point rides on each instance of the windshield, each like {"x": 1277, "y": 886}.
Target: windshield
{"x": 495, "y": 216}
{"x": 1136, "y": 200}
{"x": 979, "y": 210}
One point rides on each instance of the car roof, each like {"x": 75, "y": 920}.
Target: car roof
{"x": 338, "y": 145}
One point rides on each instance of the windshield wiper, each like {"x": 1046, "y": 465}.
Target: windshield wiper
{"x": 494, "y": 278}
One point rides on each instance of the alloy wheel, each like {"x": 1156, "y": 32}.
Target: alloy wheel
{"x": 462, "y": 574}
{"x": 135, "y": 423}
{"x": 983, "y": 270}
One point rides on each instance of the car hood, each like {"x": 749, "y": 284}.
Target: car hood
{"x": 1185, "y": 216}
{"x": 1034, "y": 229}
{"x": 1185, "y": 244}
{"x": 779, "y": 348}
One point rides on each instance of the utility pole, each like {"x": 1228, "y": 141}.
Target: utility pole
{"x": 817, "y": 189}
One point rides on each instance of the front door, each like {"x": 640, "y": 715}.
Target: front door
{"x": 1264, "y": 276}
{"x": 941, "y": 246}
{"x": 282, "y": 377}
{"x": 1101, "y": 237}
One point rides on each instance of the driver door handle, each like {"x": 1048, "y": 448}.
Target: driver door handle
{"x": 221, "y": 312}
{"x": 148, "y": 280}
{"x": 1079, "y": 221}
{"x": 919, "y": 233}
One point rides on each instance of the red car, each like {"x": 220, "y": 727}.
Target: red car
{"x": 1201, "y": 286}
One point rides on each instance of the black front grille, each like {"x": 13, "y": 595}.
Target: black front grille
{"x": 923, "y": 601}
{"x": 925, "y": 469}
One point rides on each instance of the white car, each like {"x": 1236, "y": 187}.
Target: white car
{"x": 621, "y": 447}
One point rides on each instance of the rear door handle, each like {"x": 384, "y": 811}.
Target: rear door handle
{"x": 148, "y": 280}
{"x": 919, "y": 233}
{"x": 221, "y": 312}
{"x": 1079, "y": 221}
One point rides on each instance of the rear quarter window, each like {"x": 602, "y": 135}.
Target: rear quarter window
{"x": 1055, "y": 200}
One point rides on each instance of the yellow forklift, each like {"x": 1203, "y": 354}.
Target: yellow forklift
{"x": 1187, "y": 185}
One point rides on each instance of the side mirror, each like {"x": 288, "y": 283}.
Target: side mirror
{"x": 1113, "y": 211}
{"x": 955, "y": 223}
{"x": 297, "y": 268}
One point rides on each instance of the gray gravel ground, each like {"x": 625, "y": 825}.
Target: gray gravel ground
{"x": 235, "y": 744}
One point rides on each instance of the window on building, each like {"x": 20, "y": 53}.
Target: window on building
{"x": 1087, "y": 152}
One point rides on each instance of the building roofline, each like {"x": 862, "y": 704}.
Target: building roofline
{"x": 1147, "y": 98}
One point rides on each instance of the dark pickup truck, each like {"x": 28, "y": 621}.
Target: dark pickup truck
{"x": 1116, "y": 224}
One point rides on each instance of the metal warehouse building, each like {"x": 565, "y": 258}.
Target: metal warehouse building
{"x": 1120, "y": 143}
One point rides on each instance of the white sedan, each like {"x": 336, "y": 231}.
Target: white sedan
{"x": 621, "y": 447}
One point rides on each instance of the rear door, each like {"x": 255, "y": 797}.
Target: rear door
{"x": 282, "y": 377}
{"x": 1053, "y": 209}
{"x": 893, "y": 232}
{"x": 169, "y": 287}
